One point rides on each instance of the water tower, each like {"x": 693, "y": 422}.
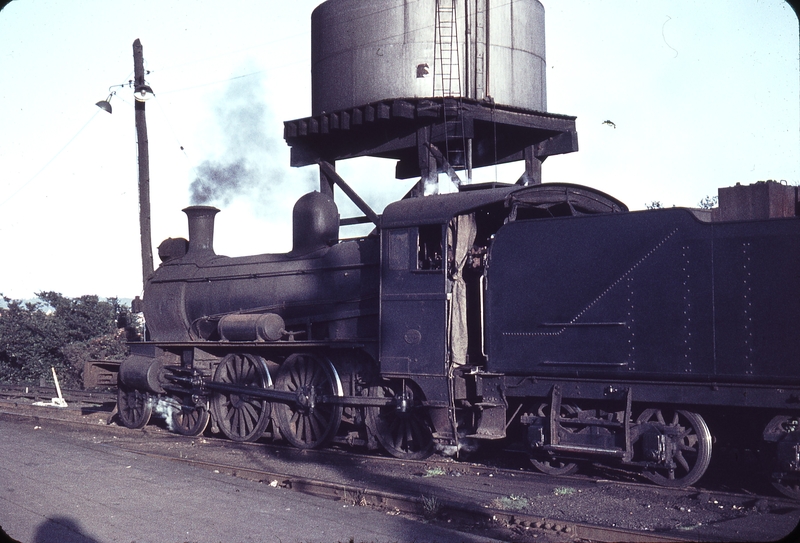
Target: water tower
{"x": 438, "y": 85}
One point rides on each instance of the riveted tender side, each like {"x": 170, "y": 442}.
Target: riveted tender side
{"x": 648, "y": 336}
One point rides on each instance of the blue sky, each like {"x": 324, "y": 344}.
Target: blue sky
{"x": 703, "y": 95}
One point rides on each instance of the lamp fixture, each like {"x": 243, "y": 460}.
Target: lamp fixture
{"x": 143, "y": 93}
{"x": 105, "y": 105}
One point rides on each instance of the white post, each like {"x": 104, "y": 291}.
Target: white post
{"x": 58, "y": 387}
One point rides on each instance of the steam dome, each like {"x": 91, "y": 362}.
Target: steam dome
{"x": 315, "y": 222}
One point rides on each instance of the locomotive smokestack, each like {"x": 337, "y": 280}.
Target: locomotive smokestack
{"x": 201, "y": 230}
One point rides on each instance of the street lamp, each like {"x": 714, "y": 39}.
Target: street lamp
{"x": 141, "y": 92}
{"x": 105, "y": 105}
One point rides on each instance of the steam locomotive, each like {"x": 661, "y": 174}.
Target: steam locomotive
{"x": 547, "y": 318}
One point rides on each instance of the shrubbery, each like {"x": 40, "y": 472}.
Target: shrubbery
{"x": 60, "y": 332}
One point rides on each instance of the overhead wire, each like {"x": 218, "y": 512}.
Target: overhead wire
{"x": 43, "y": 168}
{"x": 171, "y": 128}
{"x": 251, "y": 74}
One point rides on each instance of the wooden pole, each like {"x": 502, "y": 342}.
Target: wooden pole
{"x": 144, "y": 167}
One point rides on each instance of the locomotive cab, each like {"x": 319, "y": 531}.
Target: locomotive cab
{"x": 429, "y": 277}
{"x": 433, "y": 284}
{"x": 434, "y": 258}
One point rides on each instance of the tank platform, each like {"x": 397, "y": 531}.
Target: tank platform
{"x": 420, "y": 132}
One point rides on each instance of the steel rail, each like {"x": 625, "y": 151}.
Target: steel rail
{"x": 70, "y": 395}
{"x": 415, "y": 505}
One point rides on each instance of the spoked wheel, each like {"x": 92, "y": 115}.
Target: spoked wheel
{"x": 550, "y": 465}
{"x": 308, "y": 423}
{"x": 188, "y": 419}
{"x": 554, "y": 466}
{"x": 134, "y": 407}
{"x": 239, "y": 416}
{"x": 401, "y": 427}
{"x": 785, "y": 432}
{"x": 682, "y": 449}
{"x": 789, "y": 488}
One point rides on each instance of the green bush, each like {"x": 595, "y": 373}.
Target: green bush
{"x": 60, "y": 332}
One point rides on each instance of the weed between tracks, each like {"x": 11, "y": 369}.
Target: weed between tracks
{"x": 510, "y": 503}
{"x": 434, "y": 472}
{"x": 431, "y": 507}
{"x": 355, "y": 499}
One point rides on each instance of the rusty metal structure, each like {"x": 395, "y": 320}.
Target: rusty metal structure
{"x": 438, "y": 85}
{"x": 547, "y": 317}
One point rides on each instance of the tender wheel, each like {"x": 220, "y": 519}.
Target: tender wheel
{"x": 307, "y": 422}
{"x": 784, "y": 431}
{"x": 789, "y": 488}
{"x": 554, "y": 466}
{"x": 676, "y": 446}
{"x": 134, "y": 407}
{"x": 188, "y": 419}
{"x": 239, "y": 416}
{"x": 402, "y": 427}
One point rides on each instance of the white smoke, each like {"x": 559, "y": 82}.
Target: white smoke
{"x": 166, "y": 408}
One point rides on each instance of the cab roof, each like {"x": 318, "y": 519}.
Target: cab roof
{"x": 440, "y": 208}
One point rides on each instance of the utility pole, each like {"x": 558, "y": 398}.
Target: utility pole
{"x": 140, "y": 92}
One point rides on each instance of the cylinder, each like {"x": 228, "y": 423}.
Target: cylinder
{"x": 142, "y": 373}
{"x": 364, "y": 52}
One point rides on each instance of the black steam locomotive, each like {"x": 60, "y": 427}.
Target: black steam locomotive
{"x": 547, "y": 316}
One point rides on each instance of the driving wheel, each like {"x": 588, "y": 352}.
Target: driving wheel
{"x": 309, "y": 421}
{"x": 239, "y": 416}
{"x": 401, "y": 427}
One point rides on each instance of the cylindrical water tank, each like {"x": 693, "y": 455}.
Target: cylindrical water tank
{"x": 363, "y": 52}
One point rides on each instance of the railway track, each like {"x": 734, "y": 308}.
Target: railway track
{"x": 473, "y": 496}
{"x": 469, "y": 515}
{"x": 44, "y": 393}
{"x": 473, "y": 509}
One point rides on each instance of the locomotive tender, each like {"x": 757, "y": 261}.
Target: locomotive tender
{"x": 547, "y": 316}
